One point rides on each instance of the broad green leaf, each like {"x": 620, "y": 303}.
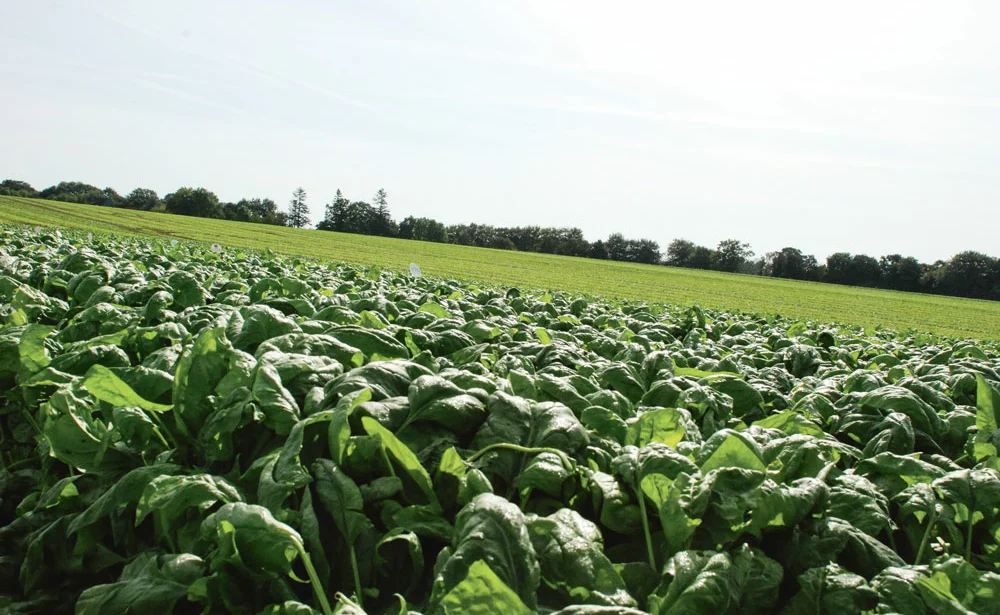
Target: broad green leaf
{"x": 403, "y": 456}
{"x": 515, "y": 420}
{"x": 399, "y": 559}
{"x": 125, "y": 492}
{"x": 829, "y": 590}
{"x": 570, "y": 553}
{"x": 987, "y": 418}
{"x": 249, "y": 534}
{"x": 278, "y": 409}
{"x": 663, "y": 426}
{"x": 791, "y": 422}
{"x": 340, "y": 429}
{"x": 376, "y": 344}
{"x": 201, "y": 372}
{"x": 693, "y": 582}
{"x": 31, "y": 349}
{"x": 492, "y": 530}
{"x": 434, "y": 308}
{"x": 545, "y": 472}
{"x": 150, "y": 583}
{"x": 169, "y": 498}
{"x": 783, "y": 505}
{"x": 433, "y": 398}
{"x": 899, "y": 590}
{"x": 734, "y": 451}
{"x": 103, "y": 384}
{"x": 481, "y": 592}
{"x": 746, "y": 399}
{"x": 341, "y": 498}
{"x": 604, "y": 422}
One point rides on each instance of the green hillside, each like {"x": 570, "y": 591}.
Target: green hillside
{"x": 803, "y": 300}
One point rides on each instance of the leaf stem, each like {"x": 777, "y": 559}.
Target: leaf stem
{"x": 357, "y": 577}
{"x": 567, "y": 463}
{"x": 968, "y": 538}
{"x": 645, "y": 530}
{"x": 927, "y": 534}
{"x": 165, "y": 432}
{"x": 314, "y": 578}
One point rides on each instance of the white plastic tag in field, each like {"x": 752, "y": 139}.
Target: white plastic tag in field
{"x": 90, "y": 237}
{"x": 216, "y": 248}
{"x": 415, "y": 270}
{"x": 173, "y": 243}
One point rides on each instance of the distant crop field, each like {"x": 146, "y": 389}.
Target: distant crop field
{"x": 844, "y": 305}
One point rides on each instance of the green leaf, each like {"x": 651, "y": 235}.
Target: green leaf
{"x": 315, "y": 345}
{"x": 570, "y": 553}
{"x": 783, "y": 505}
{"x": 492, "y": 530}
{"x": 663, "y": 426}
{"x": 169, "y": 498}
{"x": 692, "y": 583}
{"x": 399, "y": 559}
{"x": 746, "y": 399}
{"x": 904, "y": 401}
{"x": 545, "y": 472}
{"x": 987, "y": 418}
{"x": 858, "y": 501}
{"x": 340, "y": 428}
{"x": 514, "y": 420}
{"x": 103, "y": 384}
{"x": 260, "y": 324}
{"x": 899, "y": 590}
{"x": 604, "y": 422}
{"x": 424, "y": 521}
{"x": 434, "y": 308}
{"x": 831, "y": 590}
{"x": 204, "y": 370}
{"x": 278, "y": 408}
{"x": 481, "y": 592}
{"x": 249, "y": 534}
{"x": 956, "y": 586}
{"x": 403, "y": 456}
{"x": 451, "y": 470}
{"x": 433, "y": 398}
{"x": 734, "y": 450}
{"x": 289, "y": 607}
{"x": 125, "y": 492}
{"x": 377, "y": 345}
{"x": 341, "y": 498}
{"x": 150, "y": 583}
{"x": 792, "y": 422}
{"x": 755, "y": 579}
{"x": 31, "y": 349}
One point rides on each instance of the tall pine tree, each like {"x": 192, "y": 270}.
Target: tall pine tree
{"x": 298, "y": 211}
{"x": 383, "y": 222}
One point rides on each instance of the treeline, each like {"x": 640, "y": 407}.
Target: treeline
{"x": 346, "y": 216}
{"x": 967, "y": 274}
{"x": 184, "y": 201}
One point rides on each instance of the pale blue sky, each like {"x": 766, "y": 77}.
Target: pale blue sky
{"x": 851, "y": 126}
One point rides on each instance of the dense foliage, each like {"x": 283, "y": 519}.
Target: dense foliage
{"x": 198, "y": 430}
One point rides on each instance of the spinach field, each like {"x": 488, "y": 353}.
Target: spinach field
{"x": 188, "y": 429}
